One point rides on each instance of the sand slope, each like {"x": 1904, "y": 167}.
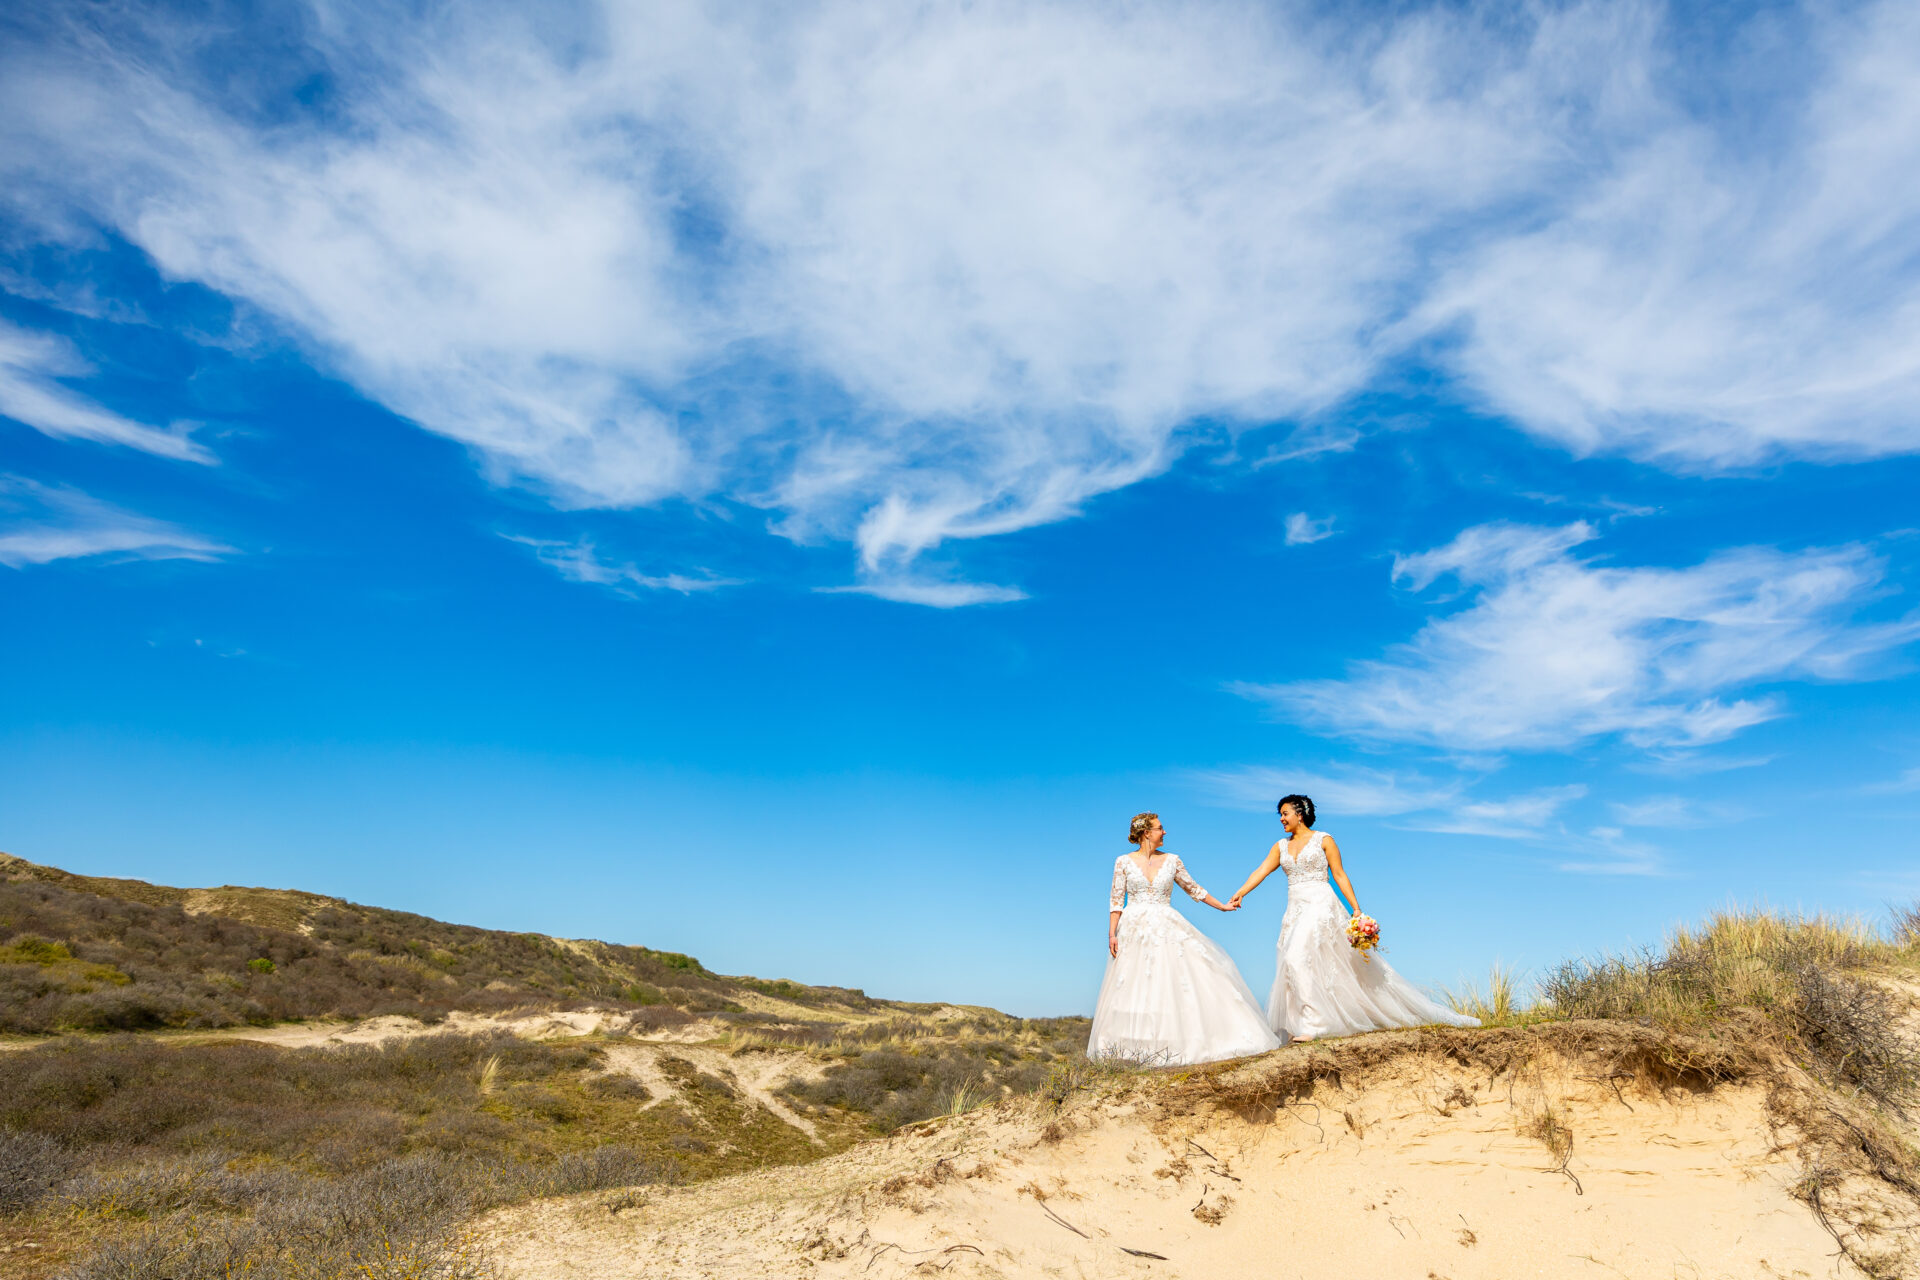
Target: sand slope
{"x": 1402, "y": 1162}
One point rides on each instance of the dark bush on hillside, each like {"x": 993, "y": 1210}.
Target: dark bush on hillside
{"x": 1852, "y": 1031}
{"x": 31, "y": 1166}
{"x": 659, "y": 1018}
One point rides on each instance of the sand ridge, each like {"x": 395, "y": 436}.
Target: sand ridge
{"x": 1421, "y": 1167}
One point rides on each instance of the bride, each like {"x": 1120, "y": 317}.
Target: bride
{"x": 1171, "y": 995}
{"x": 1324, "y": 987}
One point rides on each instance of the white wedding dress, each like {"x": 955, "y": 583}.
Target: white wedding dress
{"x": 1326, "y": 988}
{"x": 1171, "y": 996}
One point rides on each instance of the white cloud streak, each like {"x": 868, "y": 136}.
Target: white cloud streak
{"x": 40, "y": 524}
{"x": 902, "y": 275}
{"x": 30, "y": 366}
{"x": 1608, "y": 851}
{"x": 1422, "y": 803}
{"x": 1553, "y": 650}
{"x": 938, "y": 595}
{"x": 1303, "y": 530}
{"x": 579, "y": 561}
{"x": 1906, "y": 783}
{"x": 1356, "y": 790}
{"x": 1516, "y": 816}
{"x": 1670, "y": 812}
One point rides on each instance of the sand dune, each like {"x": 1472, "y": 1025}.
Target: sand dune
{"x": 1451, "y": 1156}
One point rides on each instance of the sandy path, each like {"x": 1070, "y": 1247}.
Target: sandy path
{"x": 1416, "y": 1175}
{"x": 757, "y": 1074}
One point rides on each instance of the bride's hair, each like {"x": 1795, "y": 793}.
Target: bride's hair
{"x": 1301, "y": 805}
{"x": 1141, "y": 824}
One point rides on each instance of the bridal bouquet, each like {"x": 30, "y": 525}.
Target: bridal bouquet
{"x": 1363, "y": 932}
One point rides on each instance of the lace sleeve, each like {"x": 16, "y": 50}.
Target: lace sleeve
{"x": 1185, "y": 881}
{"x": 1118, "y": 898}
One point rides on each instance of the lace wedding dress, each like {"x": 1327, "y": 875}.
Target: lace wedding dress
{"x": 1324, "y": 987}
{"x": 1171, "y": 996}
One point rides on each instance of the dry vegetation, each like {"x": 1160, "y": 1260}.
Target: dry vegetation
{"x": 187, "y": 1157}
{"x": 189, "y": 1160}
{"x": 141, "y": 1155}
{"x": 95, "y": 954}
{"x": 900, "y": 1070}
{"x": 1813, "y": 987}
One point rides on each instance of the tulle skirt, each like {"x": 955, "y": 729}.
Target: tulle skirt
{"x": 1173, "y": 997}
{"x": 1324, "y": 987}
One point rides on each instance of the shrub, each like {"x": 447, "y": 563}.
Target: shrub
{"x": 204, "y": 1182}
{"x": 1795, "y": 971}
{"x": 896, "y": 1087}
{"x": 31, "y": 1166}
{"x": 1906, "y": 925}
{"x": 28, "y": 949}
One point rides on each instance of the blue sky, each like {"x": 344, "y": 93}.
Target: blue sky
{"x": 790, "y": 489}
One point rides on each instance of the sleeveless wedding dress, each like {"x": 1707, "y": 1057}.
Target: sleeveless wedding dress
{"x": 1171, "y": 996}
{"x": 1324, "y": 987}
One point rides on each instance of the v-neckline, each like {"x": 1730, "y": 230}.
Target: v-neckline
{"x": 1294, "y": 858}
{"x": 1153, "y": 879}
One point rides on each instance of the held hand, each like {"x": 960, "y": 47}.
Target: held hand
{"x": 1229, "y": 905}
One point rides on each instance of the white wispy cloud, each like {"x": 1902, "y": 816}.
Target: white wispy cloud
{"x": 41, "y": 523}
{"x": 1609, "y": 851}
{"x": 938, "y": 595}
{"x": 1722, "y": 291}
{"x": 1670, "y": 812}
{"x": 1515, "y": 816}
{"x": 906, "y": 274}
{"x": 1905, "y": 783}
{"x": 1303, "y": 529}
{"x": 31, "y": 365}
{"x": 1420, "y": 802}
{"x": 1552, "y": 650}
{"x": 579, "y": 561}
{"x": 1362, "y": 791}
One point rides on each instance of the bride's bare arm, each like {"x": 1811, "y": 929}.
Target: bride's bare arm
{"x": 1261, "y": 872}
{"x": 1339, "y": 872}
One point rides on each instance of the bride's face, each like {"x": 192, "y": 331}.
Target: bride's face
{"x": 1289, "y": 818}
{"x": 1154, "y": 834}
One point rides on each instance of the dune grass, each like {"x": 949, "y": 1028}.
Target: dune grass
{"x": 1498, "y": 1004}
{"x": 1809, "y": 979}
